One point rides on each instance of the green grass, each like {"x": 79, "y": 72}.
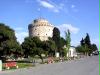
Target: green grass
{"x": 24, "y": 65}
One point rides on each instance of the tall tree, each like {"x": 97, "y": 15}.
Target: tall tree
{"x": 6, "y": 33}
{"x": 80, "y": 49}
{"x": 68, "y": 40}
{"x": 51, "y": 47}
{"x": 87, "y": 40}
{"x": 88, "y": 44}
{"x": 56, "y": 37}
{"x": 94, "y": 47}
{"x": 62, "y": 41}
{"x": 8, "y": 42}
{"x": 33, "y": 46}
{"x": 82, "y": 42}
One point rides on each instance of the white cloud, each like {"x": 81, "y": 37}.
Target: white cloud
{"x": 20, "y": 34}
{"x": 65, "y": 27}
{"x": 75, "y": 42}
{"x": 73, "y": 6}
{"x": 48, "y": 5}
{"x": 73, "y": 30}
{"x": 55, "y": 7}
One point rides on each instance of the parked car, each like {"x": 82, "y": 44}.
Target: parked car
{"x": 95, "y": 52}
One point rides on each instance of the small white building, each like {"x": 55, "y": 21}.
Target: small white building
{"x": 72, "y": 52}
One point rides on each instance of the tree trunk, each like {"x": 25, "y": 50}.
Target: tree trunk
{"x": 41, "y": 58}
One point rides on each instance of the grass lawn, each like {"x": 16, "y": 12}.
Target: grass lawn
{"x": 24, "y": 65}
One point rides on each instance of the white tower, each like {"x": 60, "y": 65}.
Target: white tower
{"x": 41, "y": 28}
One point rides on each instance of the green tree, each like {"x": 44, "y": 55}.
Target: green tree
{"x": 8, "y": 42}
{"x": 88, "y": 44}
{"x": 49, "y": 46}
{"x": 62, "y": 42}
{"x": 83, "y": 48}
{"x": 56, "y": 38}
{"x": 87, "y": 40}
{"x": 68, "y": 40}
{"x": 52, "y": 47}
{"x": 6, "y": 33}
{"x": 80, "y": 49}
{"x": 27, "y": 46}
{"x": 82, "y": 42}
{"x": 33, "y": 46}
{"x": 94, "y": 47}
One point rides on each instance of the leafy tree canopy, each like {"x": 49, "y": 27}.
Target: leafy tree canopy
{"x": 6, "y": 33}
{"x": 8, "y": 42}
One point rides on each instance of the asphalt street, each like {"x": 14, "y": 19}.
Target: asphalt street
{"x": 83, "y": 66}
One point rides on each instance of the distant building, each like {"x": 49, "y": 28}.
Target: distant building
{"x": 41, "y": 28}
{"x": 71, "y": 52}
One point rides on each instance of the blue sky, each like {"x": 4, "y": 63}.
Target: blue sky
{"x": 80, "y": 16}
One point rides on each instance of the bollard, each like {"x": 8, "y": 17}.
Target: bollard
{"x": 0, "y": 65}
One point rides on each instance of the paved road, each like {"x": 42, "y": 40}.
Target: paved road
{"x": 84, "y": 66}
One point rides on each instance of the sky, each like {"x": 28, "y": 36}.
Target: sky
{"x": 79, "y": 16}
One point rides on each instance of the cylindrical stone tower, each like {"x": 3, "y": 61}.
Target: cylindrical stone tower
{"x": 41, "y": 28}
